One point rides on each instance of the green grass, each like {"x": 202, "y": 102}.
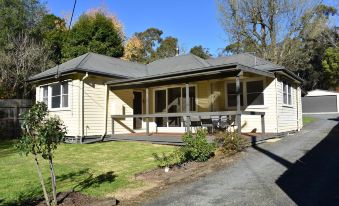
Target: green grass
{"x": 307, "y": 120}
{"x": 93, "y": 169}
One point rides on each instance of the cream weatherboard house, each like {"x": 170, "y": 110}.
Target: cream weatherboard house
{"x": 96, "y": 95}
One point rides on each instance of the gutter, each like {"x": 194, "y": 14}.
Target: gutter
{"x": 105, "y": 113}
{"x": 82, "y": 108}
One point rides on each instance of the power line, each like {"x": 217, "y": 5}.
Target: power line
{"x": 70, "y": 23}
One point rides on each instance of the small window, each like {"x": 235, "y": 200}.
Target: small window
{"x": 287, "y": 94}
{"x": 59, "y": 96}
{"x": 232, "y": 95}
{"x": 255, "y": 93}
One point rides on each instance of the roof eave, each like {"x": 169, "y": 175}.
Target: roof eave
{"x": 76, "y": 70}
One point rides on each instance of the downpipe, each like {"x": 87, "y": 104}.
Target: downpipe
{"x": 82, "y": 108}
{"x": 105, "y": 113}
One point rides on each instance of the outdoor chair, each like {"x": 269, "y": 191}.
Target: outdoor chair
{"x": 206, "y": 121}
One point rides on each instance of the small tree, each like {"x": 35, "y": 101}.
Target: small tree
{"x": 41, "y": 136}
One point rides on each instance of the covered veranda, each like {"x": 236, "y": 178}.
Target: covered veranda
{"x": 190, "y": 118}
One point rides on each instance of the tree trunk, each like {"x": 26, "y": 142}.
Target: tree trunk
{"x": 41, "y": 179}
{"x": 51, "y": 167}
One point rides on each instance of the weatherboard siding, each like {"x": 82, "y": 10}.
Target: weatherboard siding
{"x": 69, "y": 116}
{"x": 287, "y": 114}
{"x": 252, "y": 123}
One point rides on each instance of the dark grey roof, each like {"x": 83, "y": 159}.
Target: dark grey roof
{"x": 114, "y": 67}
{"x": 246, "y": 59}
{"x": 98, "y": 64}
{"x": 176, "y": 64}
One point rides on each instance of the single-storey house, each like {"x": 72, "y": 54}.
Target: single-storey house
{"x": 320, "y": 102}
{"x": 97, "y": 95}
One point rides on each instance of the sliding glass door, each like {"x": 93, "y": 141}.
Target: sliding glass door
{"x": 172, "y": 100}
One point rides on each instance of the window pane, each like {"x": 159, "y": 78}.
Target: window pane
{"x": 231, "y": 88}
{"x": 160, "y": 101}
{"x": 232, "y": 100}
{"x": 255, "y": 87}
{"x": 56, "y": 102}
{"x": 55, "y": 89}
{"x": 65, "y": 88}
{"x": 174, "y": 96}
{"x": 45, "y": 92}
{"x": 64, "y": 100}
{"x": 232, "y": 97}
{"x": 174, "y": 100}
{"x": 284, "y": 88}
{"x": 285, "y": 98}
{"x": 45, "y": 95}
{"x": 192, "y": 99}
{"x": 255, "y": 99}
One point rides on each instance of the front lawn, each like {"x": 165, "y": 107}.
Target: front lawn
{"x": 307, "y": 120}
{"x": 93, "y": 169}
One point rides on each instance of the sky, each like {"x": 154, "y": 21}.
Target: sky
{"x": 193, "y": 22}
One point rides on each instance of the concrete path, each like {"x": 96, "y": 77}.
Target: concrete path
{"x": 301, "y": 169}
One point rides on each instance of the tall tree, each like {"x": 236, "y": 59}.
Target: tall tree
{"x": 293, "y": 33}
{"x": 200, "y": 52}
{"x": 168, "y": 48}
{"x": 259, "y": 25}
{"x": 23, "y": 58}
{"x": 150, "y": 38}
{"x": 17, "y": 16}
{"x": 134, "y": 50}
{"x": 330, "y": 65}
{"x": 93, "y": 33}
{"x": 52, "y": 32}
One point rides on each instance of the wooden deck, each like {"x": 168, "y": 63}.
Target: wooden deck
{"x": 171, "y": 138}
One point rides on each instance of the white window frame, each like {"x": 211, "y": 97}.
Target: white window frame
{"x": 244, "y": 93}
{"x": 289, "y": 94}
{"x": 49, "y": 97}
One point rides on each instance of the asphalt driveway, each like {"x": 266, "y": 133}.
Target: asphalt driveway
{"x": 301, "y": 169}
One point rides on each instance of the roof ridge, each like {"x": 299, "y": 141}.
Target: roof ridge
{"x": 119, "y": 59}
{"x": 168, "y": 58}
{"x": 200, "y": 60}
{"x": 262, "y": 59}
{"x": 83, "y": 60}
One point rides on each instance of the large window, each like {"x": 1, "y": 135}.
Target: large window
{"x": 255, "y": 93}
{"x": 56, "y": 95}
{"x": 287, "y": 93}
{"x": 172, "y": 100}
{"x": 232, "y": 95}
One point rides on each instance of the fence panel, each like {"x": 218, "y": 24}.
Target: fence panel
{"x": 10, "y": 116}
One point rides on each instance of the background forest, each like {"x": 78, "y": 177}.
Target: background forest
{"x": 294, "y": 33}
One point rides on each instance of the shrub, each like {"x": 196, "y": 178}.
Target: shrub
{"x": 164, "y": 160}
{"x": 231, "y": 142}
{"x": 196, "y": 147}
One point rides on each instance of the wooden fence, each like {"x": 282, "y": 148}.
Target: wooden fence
{"x": 10, "y": 116}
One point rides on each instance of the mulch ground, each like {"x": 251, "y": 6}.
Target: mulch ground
{"x": 78, "y": 199}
